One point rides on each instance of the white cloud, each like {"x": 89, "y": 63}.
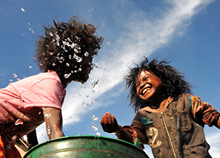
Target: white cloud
{"x": 3, "y": 72}
{"x": 143, "y": 38}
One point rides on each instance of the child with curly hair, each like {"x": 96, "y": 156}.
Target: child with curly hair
{"x": 64, "y": 54}
{"x": 168, "y": 117}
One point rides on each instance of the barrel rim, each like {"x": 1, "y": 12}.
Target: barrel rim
{"x": 80, "y": 136}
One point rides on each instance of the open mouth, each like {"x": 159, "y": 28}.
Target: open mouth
{"x": 147, "y": 88}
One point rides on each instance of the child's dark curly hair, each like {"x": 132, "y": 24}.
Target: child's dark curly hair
{"x": 173, "y": 80}
{"x": 66, "y": 44}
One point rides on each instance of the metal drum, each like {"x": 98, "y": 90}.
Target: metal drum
{"x": 85, "y": 147}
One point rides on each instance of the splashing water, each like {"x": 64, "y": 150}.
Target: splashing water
{"x": 22, "y": 9}
{"x": 15, "y": 75}
{"x": 95, "y": 81}
{"x": 86, "y": 54}
{"x": 18, "y": 122}
{"x": 78, "y": 59}
{"x": 94, "y": 118}
{"x": 95, "y": 127}
{"x": 98, "y": 134}
{"x": 67, "y": 75}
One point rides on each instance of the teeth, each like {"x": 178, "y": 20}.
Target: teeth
{"x": 145, "y": 90}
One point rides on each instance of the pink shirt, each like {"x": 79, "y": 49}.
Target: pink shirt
{"x": 22, "y": 101}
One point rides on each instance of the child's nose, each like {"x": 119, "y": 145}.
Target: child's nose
{"x": 142, "y": 85}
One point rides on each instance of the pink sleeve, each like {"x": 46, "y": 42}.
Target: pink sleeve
{"x": 45, "y": 93}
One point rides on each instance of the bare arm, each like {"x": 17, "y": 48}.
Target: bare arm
{"x": 110, "y": 125}
{"x": 53, "y": 120}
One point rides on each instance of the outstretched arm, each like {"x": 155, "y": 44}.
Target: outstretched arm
{"x": 53, "y": 120}
{"x": 110, "y": 125}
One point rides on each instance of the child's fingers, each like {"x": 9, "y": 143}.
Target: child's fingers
{"x": 115, "y": 123}
{"x": 109, "y": 123}
{"x": 105, "y": 121}
{"x": 114, "y": 120}
{"x": 109, "y": 118}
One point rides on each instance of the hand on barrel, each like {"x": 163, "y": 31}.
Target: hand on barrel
{"x": 109, "y": 123}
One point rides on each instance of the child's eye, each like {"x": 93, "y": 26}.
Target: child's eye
{"x": 137, "y": 84}
{"x": 145, "y": 78}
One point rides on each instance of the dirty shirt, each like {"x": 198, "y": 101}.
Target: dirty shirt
{"x": 21, "y": 104}
{"x": 178, "y": 131}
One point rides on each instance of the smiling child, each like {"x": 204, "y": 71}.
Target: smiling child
{"x": 168, "y": 117}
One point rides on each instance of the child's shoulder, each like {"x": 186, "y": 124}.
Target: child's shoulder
{"x": 186, "y": 96}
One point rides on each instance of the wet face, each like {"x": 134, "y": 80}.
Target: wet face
{"x": 149, "y": 87}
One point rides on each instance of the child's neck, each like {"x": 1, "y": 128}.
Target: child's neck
{"x": 160, "y": 105}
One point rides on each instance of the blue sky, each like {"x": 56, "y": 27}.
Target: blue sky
{"x": 186, "y": 32}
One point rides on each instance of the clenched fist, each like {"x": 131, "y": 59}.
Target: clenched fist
{"x": 109, "y": 123}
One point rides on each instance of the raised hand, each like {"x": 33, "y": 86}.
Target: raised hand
{"x": 109, "y": 123}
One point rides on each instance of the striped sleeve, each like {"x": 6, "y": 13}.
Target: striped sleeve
{"x": 203, "y": 112}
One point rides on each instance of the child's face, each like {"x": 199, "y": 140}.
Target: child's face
{"x": 148, "y": 86}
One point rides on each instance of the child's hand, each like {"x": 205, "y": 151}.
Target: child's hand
{"x": 109, "y": 123}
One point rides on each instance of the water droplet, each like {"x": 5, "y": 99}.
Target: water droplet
{"x": 67, "y": 75}
{"x": 22, "y": 9}
{"x": 51, "y": 34}
{"x": 94, "y": 118}
{"x": 15, "y": 75}
{"x": 48, "y": 130}
{"x": 95, "y": 127}
{"x": 18, "y": 122}
{"x": 94, "y": 82}
{"x": 14, "y": 137}
{"x": 98, "y": 134}
{"x": 86, "y": 54}
{"x": 78, "y": 59}
{"x": 47, "y": 115}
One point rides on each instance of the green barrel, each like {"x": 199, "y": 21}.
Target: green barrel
{"x": 85, "y": 147}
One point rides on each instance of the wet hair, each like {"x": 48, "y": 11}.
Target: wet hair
{"x": 173, "y": 80}
{"x": 66, "y": 44}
